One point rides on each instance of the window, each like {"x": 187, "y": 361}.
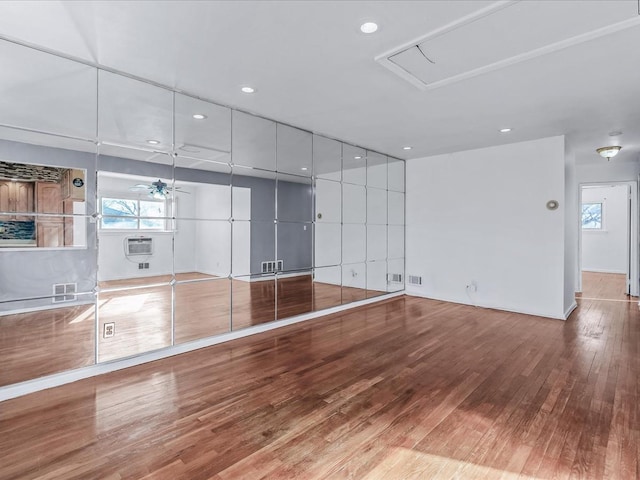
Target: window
{"x": 133, "y": 214}
{"x": 592, "y": 216}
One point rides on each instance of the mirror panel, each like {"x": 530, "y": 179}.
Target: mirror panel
{"x": 294, "y": 199}
{"x": 376, "y": 278}
{"x": 140, "y": 318}
{"x": 396, "y": 242}
{"x": 202, "y": 307}
{"x": 328, "y": 243}
{"x": 354, "y": 165}
{"x": 36, "y": 342}
{"x": 327, "y": 290}
{"x": 354, "y": 282}
{"x": 354, "y": 243}
{"x": 294, "y": 151}
{"x": 395, "y": 274}
{"x": 294, "y": 246}
{"x": 254, "y": 301}
{"x": 376, "y": 242}
{"x": 295, "y": 293}
{"x": 354, "y": 204}
{"x": 396, "y": 174}
{"x": 328, "y": 201}
{"x": 135, "y": 115}
{"x": 396, "y": 208}
{"x": 376, "y": 170}
{"x": 202, "y": 131}
{"x": 327, "y": 158}
{"x": 46, "y": 93}
{"x": 254, "y": 141}
{"x": 376, "y": 206}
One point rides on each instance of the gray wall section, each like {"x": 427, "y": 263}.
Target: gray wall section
{"x": 32, "y": 273}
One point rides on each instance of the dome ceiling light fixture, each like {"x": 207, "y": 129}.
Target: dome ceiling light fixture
{"x": 608, "y": 152}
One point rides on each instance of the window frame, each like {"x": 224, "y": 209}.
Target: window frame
{"x": 602, "y": 217}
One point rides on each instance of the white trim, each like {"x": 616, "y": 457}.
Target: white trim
{"x": 58, "y": 379}
{"x": 487, "y": 305}
{"x": 52, "y": 306}
{"x": 602, "y": 270}
{"x": 271, "y": 276}
{"x": 570, "y": 310}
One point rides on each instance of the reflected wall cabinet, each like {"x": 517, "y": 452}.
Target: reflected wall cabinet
{"x": 243, "y": 220}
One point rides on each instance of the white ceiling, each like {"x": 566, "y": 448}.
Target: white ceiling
{"x": 314, "y": 69}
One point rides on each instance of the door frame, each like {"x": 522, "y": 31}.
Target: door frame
{"x": 633, "y": 262}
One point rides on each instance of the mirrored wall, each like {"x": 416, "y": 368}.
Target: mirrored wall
{"x": 134, "y": 218}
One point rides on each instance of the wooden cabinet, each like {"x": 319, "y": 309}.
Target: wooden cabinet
{"x": 73, "y": 184}
{"x": 49, "y": 230}
{"x": 16, "y": 197}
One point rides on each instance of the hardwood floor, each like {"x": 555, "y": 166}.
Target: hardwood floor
{"x": 406, "y": 389}
{"x": 44, "y": 342}
{"x": 605, "y": 286}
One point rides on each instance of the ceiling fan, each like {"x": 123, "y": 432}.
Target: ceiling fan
{"x": 158, "y": 189}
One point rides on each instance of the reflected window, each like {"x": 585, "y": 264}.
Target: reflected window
{"x": 133, "y": 214}
{"x": 592, "y": 216}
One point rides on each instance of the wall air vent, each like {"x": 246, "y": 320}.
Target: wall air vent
{"x": 64, "y": 292}
{"x": 500, "y": 35}
{"x": 272, "y": 266}
{"x": 394, "y": 278}
{"x": 138, "y": 246}
{"x": 415, "y": 280}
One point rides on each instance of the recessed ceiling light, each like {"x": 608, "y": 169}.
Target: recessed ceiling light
{"x": 357, "y": 158}
{"x": 153, "y": 142}
{"x": 199, "y": 116}
{"x": 368, "y": 27}
{"x": 407, "y": 148}
{"x": 505, "y": 130}
{"x": 304, "y": 169}
{"x": 248, "y": 89}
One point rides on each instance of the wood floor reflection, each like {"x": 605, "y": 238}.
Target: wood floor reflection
{"x": 410, "y": 388}
{"x": 50, "y": 341}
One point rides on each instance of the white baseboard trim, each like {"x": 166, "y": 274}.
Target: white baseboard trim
{"x": 570, "y": 310}
{"x": 604, "y": 270}
{"x": 52, "y": 306}
{"x": 58, "y": 379}
{"x": 504, "y": 308}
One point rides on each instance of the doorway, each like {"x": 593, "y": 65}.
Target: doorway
{"x": 608, "y": 241}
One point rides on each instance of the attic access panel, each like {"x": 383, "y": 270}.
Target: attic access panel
{"x": 502, "y": 34}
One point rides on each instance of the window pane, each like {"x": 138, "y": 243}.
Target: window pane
{"x": 115, "y": 212}
{"x": 148, "y": 223}
{"x": 592, "y": 215}
{"x": 119, "y": 206}
{"x": 151, "y": 209}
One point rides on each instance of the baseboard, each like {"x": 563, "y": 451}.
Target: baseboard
{"x": 58, "y": 379}
{"x": 602, "y": 270}
{"x": 260, "y": 278}
{"x": 52, "y": 306}
{"x": 491, "y": 306}
{"x": 570, "y": 310}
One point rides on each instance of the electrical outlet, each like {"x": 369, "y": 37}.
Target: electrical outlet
{"x": 109, "y": 330}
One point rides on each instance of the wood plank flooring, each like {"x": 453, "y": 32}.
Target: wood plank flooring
{"x": 605, "y": 286}
{"x": 39, "y": 343}
{"x": 406, "y": 389}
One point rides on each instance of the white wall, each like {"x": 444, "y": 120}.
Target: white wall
{"x": 606, "y": 250}
{"x": 480, "y": 216}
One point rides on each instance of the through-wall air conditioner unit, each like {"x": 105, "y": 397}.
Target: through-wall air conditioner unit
{"x": 138, "y": 246}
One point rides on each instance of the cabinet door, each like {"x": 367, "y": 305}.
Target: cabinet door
{"x": 50, "y": 234}
{"x": 5, "y": 199}
{"x": 49, "y": 197}
{"x": 24, "y": 199}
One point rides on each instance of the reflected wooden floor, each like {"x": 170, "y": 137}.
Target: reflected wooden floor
{"x": 50, "y": 341}
{"x": 406, "y": 389}
{"x": 605, "y": 286}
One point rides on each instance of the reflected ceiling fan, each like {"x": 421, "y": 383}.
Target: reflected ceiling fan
{"x": 158, "y": 189}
